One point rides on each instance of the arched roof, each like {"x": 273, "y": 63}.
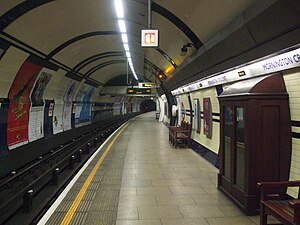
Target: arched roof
{"x": 82, "y": 36}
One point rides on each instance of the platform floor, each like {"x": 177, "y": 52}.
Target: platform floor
{"x": 143, "y": 180}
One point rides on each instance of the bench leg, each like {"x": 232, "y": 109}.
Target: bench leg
{"x": 263, "y": 215}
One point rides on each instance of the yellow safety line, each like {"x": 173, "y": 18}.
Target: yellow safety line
{"x": 68, "y": 217}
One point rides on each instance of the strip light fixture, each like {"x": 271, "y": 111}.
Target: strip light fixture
{"x": 122, "y": 27}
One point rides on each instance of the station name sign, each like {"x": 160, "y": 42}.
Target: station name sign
{"x": 284, "y": 61}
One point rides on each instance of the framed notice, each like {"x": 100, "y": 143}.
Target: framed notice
{"x": 207, "y": 117}
{"x": 197, "y": 116}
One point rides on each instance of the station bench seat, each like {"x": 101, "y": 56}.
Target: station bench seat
{"x": 275, "y": 202}
{"x": 180, "y": 135}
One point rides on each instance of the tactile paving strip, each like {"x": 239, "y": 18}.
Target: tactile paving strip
{"x": 84, "y": 206}
{"x": 100, "y": 203}
{"x": 101, "y": 217}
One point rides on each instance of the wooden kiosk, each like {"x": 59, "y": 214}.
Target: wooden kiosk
{"x": 255, "y": 138}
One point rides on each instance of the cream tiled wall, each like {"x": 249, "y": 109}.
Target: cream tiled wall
{"x": 292, "y": 82}
{"x": 213, "y": 143}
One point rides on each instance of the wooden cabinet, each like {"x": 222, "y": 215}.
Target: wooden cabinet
{"x": 255, "y": 142}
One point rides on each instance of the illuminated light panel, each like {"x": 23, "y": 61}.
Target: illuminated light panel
{"x": 119, "y": 9}
{"x": 126, "y": 47}
{"x": 169, "y": 69}
{"x": 124, "y": 38}
{"x": 122, "y": 26}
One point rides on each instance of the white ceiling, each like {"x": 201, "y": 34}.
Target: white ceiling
{"x": 52, "y": 24}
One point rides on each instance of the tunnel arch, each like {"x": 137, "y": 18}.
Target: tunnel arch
{"x": 148, "y": 105}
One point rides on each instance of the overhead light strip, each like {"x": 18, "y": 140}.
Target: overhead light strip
{"x": 122, "y": 27}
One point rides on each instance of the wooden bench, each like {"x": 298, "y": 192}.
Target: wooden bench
{"x": 182, "y": 137}
{"x": 173, "y": 129}
{"x": 275, "y": 202}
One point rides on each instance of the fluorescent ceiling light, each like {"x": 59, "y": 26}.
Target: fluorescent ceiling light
{"x": 119, "y": 9}
{"x": 126, "y": 47}
{"x": 122, "y": 26}
{"x": 124, "y": 38}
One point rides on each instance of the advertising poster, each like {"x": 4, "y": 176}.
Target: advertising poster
{"x": 83, "y": 112}
{"x": 58, "y": 116}
{"x": 19, "y": 107}
{"x": 67, "y": 111}
{"x": 48, "y": 120}
{"x": 36, "y": 113}
{"x": 67, "y": 116}
{"x": 117, "y": 106}
{"x": 207, "y": 120}
{"x": 197, "y": 117}
{"x": 58, "y": 110}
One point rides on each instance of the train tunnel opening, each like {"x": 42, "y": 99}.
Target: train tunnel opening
{"x": 147, "y": 105}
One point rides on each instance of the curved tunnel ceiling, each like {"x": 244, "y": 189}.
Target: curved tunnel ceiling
{"x": 80, "y": 36}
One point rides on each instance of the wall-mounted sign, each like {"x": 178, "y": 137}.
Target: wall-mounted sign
{"x": 138, "y": 91}
{"x": 149, "y": 38}
{"x": 273, "y": 64}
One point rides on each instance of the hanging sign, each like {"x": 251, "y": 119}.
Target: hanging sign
{"x": 146, "y": 85}
{"x": 149, "y": 38}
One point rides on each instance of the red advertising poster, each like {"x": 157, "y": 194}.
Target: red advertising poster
{"x": 18, "y": 114}
{"x": 207, "y": 114}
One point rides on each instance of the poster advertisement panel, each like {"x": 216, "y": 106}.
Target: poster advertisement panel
{"x": 207, "y": 117}
{"x": 59, "y": 105}
{"x": 83, "y": 111}
{"x": 58, "y": 116}
{"x": 19, "y": 107}
{"x": 197, "y": 117}
{"x": 117, "y": 106}
{"x": 36, "y": 113}
{"x": 67, "y": 111}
